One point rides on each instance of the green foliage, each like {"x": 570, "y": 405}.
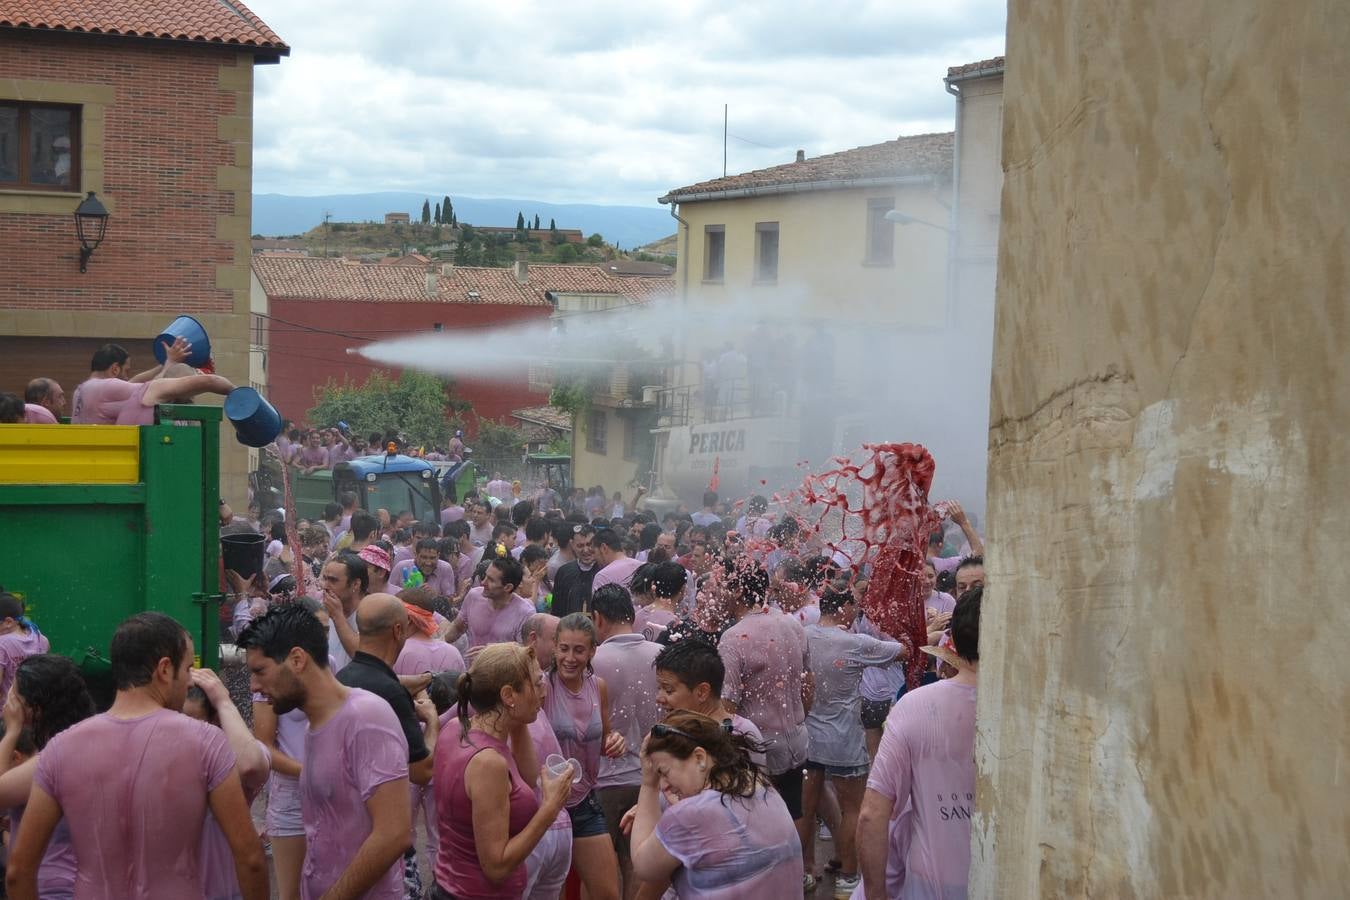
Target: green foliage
{"x": 552, "y": 225}
{"x": 447, "y": 210}
{"x": 496, "y": 441}
{"x": 566, "y": 253}
{"x": 520, "y": 221}
{"x": 436, "y": 215}
{"x": 426, "y": 212}
{"x": 415, "y": 404}
{"x": 595, "y": 240}
{"x": 570, "y": 397}
{"x": 466, "y": 233}
{"x": 560, "y": 446}
{"x": 536, "y": 221}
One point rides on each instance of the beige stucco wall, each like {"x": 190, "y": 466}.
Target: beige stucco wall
{"x": 609, "y": 469}
{"x": 1163, "y": 697}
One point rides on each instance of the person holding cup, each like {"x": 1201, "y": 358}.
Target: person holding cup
{"x": 486, "y": 770}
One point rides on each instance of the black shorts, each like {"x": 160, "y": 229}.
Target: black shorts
{"x": 789, "y": 787}
{"x": 874, "y": 712}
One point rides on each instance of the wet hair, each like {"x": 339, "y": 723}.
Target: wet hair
{"x": 747, "y": 577}
{"x": 532, "y": 553}
{"x": 536, "y": 529}
{"x": 758, "y": 505}
{"x": 503, "y": 530}
{"x": 441, "y": 694}
{"x": 53, "y": 688}
{"x": 641, "y": 582}
{"x": 332, "y": 511}
{"x": 140, "y": 643}
{"x": 510, "y": 570}
{"x": 521, "y": 512}
{"x": 693, "y": 662}
{"x": 647, "y": 539}
{"x": 197, "y": 695}
{"x": 11, "y": 408}
{"x": 355, "y": 566}
{"x": 428, "y": 544}
{"x": 347, "y": 499}
{"x": 669, "y": 580}
{"x": 108, "y": 355}
{"x": 312, "y": 535}
{"x": 283, "y": 628}
{"x": 609, "y": 538}
{"x": 364, "y": 524}
{"x": 577, "y": 621}
{"x": 495, "y": 667}
{"x": 457, "y": 530}
{"x": 969, "y": 561}
{"x": 614, "y": 603}
{"x": 562, "y": 533}
{"x": 732, "y": 774}
{"x": 277, "y": 530}
{"x": 834, "y": 600}
{"x": 710, "y": 498}
{"x": 11, "y": 607}
{"x": 819, "y": 570}
{"x": 424, "y": 529}
{"x": 946, "y": 582}
{"x": 37, "y": 390}
{"x": 965, "y": 624}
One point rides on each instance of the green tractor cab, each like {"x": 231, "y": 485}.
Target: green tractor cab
{"x": 395, "y": 483}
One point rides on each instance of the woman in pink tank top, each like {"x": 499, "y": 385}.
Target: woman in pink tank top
{"x": 577, "y": 706}
{"x": 485, "y": 775}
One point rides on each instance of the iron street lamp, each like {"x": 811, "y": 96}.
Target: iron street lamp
{"x": 91, "y": 220}
{"x": 900, "y": 218}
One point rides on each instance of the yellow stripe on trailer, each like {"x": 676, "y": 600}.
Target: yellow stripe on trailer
{"x": 70, "y": 454}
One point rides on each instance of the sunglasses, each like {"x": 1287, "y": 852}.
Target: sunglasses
{"x": 660, "y": 730}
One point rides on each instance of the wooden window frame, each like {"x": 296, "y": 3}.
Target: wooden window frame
{"x": 883, "y": 205}
{"x": 24, "y": 183}
{"x": 708, "y": 232}
{"x": 597, "y": 444}
{"x": 761, "y": 229}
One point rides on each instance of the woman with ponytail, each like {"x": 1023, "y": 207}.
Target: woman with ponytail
{"x": 729, "y": 834}
{"x": 486, "y": 770}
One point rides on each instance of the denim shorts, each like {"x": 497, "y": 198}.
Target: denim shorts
{"x": 283, "y": 808}
{"x": 588, "y": 819}
{"x": 838, "y": 771}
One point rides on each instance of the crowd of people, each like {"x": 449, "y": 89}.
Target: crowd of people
{"x": 536, "y": 686}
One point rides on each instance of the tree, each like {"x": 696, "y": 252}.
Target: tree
{"x": 499, "y": 442}
{"x": 415, "y": 403}
{"x": 595, "y": 240}
{"x": 520, "y": 221}
{"x": 566, "y": 253}
{"x": 454, "y": 219}
{"x": 536, "y": 221}
{"x": 447, "y": 210}
{"x": 436, "y": 216}
{"x": 552, "y": 225}
{"x": 426, "y": 212}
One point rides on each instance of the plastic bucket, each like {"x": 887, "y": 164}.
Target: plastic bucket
{"x": 190, "y": 330}
{"x": 256, "y": 422}
{"x": 243, "y": 553}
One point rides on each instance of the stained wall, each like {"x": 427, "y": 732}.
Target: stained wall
{"x": 1164, "y": 681}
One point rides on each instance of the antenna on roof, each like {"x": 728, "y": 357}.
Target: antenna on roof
{"x": 327, "y": 214}
{"x": 724, "y": 140}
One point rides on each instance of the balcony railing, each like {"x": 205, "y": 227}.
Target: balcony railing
{"x": 722, "y": 401}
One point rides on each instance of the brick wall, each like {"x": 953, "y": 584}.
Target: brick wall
{"x": 300, "y": 359}
{"x": 161, "y": 152}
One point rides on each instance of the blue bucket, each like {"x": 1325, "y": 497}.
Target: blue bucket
{"x": 256, "y": 422}
{"x": 190, "y": 330}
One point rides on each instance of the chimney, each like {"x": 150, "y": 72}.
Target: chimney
{"x": 522, "y": 267}
{"x": 433, "y": 282}
{"x": 801, "y": 156}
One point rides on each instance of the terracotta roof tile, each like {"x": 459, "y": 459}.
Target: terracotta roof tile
{"x": 314, "y": 278}
{"x": 983, "y": 65}
{"x": 919, "y": 154}
{"x": 205, "y": 21}
{"x": 549, "y": 416}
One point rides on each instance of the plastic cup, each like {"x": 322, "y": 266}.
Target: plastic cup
{"x": 556, "y": 765}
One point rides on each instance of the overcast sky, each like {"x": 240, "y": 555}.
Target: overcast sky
{"x": 601, "y": 102}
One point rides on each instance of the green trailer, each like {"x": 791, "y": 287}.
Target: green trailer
{"x": 99, "y": 522}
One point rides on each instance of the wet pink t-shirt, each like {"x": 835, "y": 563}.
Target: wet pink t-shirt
{"x": 650, "y": 621}
{"x": 56, "y": 873}
{"x": 134, "y": 793}
{"x": 927, "y": 758}
{"x": 485, "y": 624}
{"x": 625, "y": 663}
{"x": 618, "y": 572}
{"x": 732, "y": 848}
{"x": 420, "y": 656}
{"x": 545, "y": 745}
{"x": 576, "y": 720}
{"x": 766, "y": 656}
{"x": 346, "y": 759}
{"x": 14, "y": 649}
{"x": 220, "y": 881}
{"x": 34, "y": 414}
{"x": 99, "y": 400}
{"x": 442, "y": 582}
{"x": 133, "y": 411}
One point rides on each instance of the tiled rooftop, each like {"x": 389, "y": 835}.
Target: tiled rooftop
{"x": 313, "y": 278}
{"x": 919, "y": 154}
{"x": 549, "y": 416}
{"x": 957, "y": 72}
{"x": 206, "y": 21}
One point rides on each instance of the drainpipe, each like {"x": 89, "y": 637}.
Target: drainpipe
{"x": 954, "y": 215}
{"x": 660, "y": 464}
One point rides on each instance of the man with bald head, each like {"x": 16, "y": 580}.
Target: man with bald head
{"x": 538, "y": 633}
{"x": 43, "y": 402}
{"x": 382, "y": 623}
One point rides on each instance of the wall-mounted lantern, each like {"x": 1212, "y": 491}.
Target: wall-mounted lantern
{"x": 91, "y": 220}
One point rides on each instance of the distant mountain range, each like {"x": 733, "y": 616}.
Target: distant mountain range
{"x": 627, "y": 226}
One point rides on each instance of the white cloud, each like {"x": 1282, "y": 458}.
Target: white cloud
{"x": 593, "y": 101}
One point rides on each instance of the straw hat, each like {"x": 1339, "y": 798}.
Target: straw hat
{"x": 946, "y": 652}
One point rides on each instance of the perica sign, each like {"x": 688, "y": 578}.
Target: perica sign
{"x": 729, "y": 441}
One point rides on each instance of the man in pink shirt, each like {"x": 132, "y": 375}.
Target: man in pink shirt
{"x": 437, "y": 574}
{"x": 926, "y": 762}
{"x": 624, "y": 660}
{"x": 458, "y": 550}
{"x": 135, "y": 783}
{"x": 492, "y": 613}
{"x": 766, "y": 657}
{"x": 43, "y": 402}
{"x": 354, "y": 775}
{"x": 616, "y": 567}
